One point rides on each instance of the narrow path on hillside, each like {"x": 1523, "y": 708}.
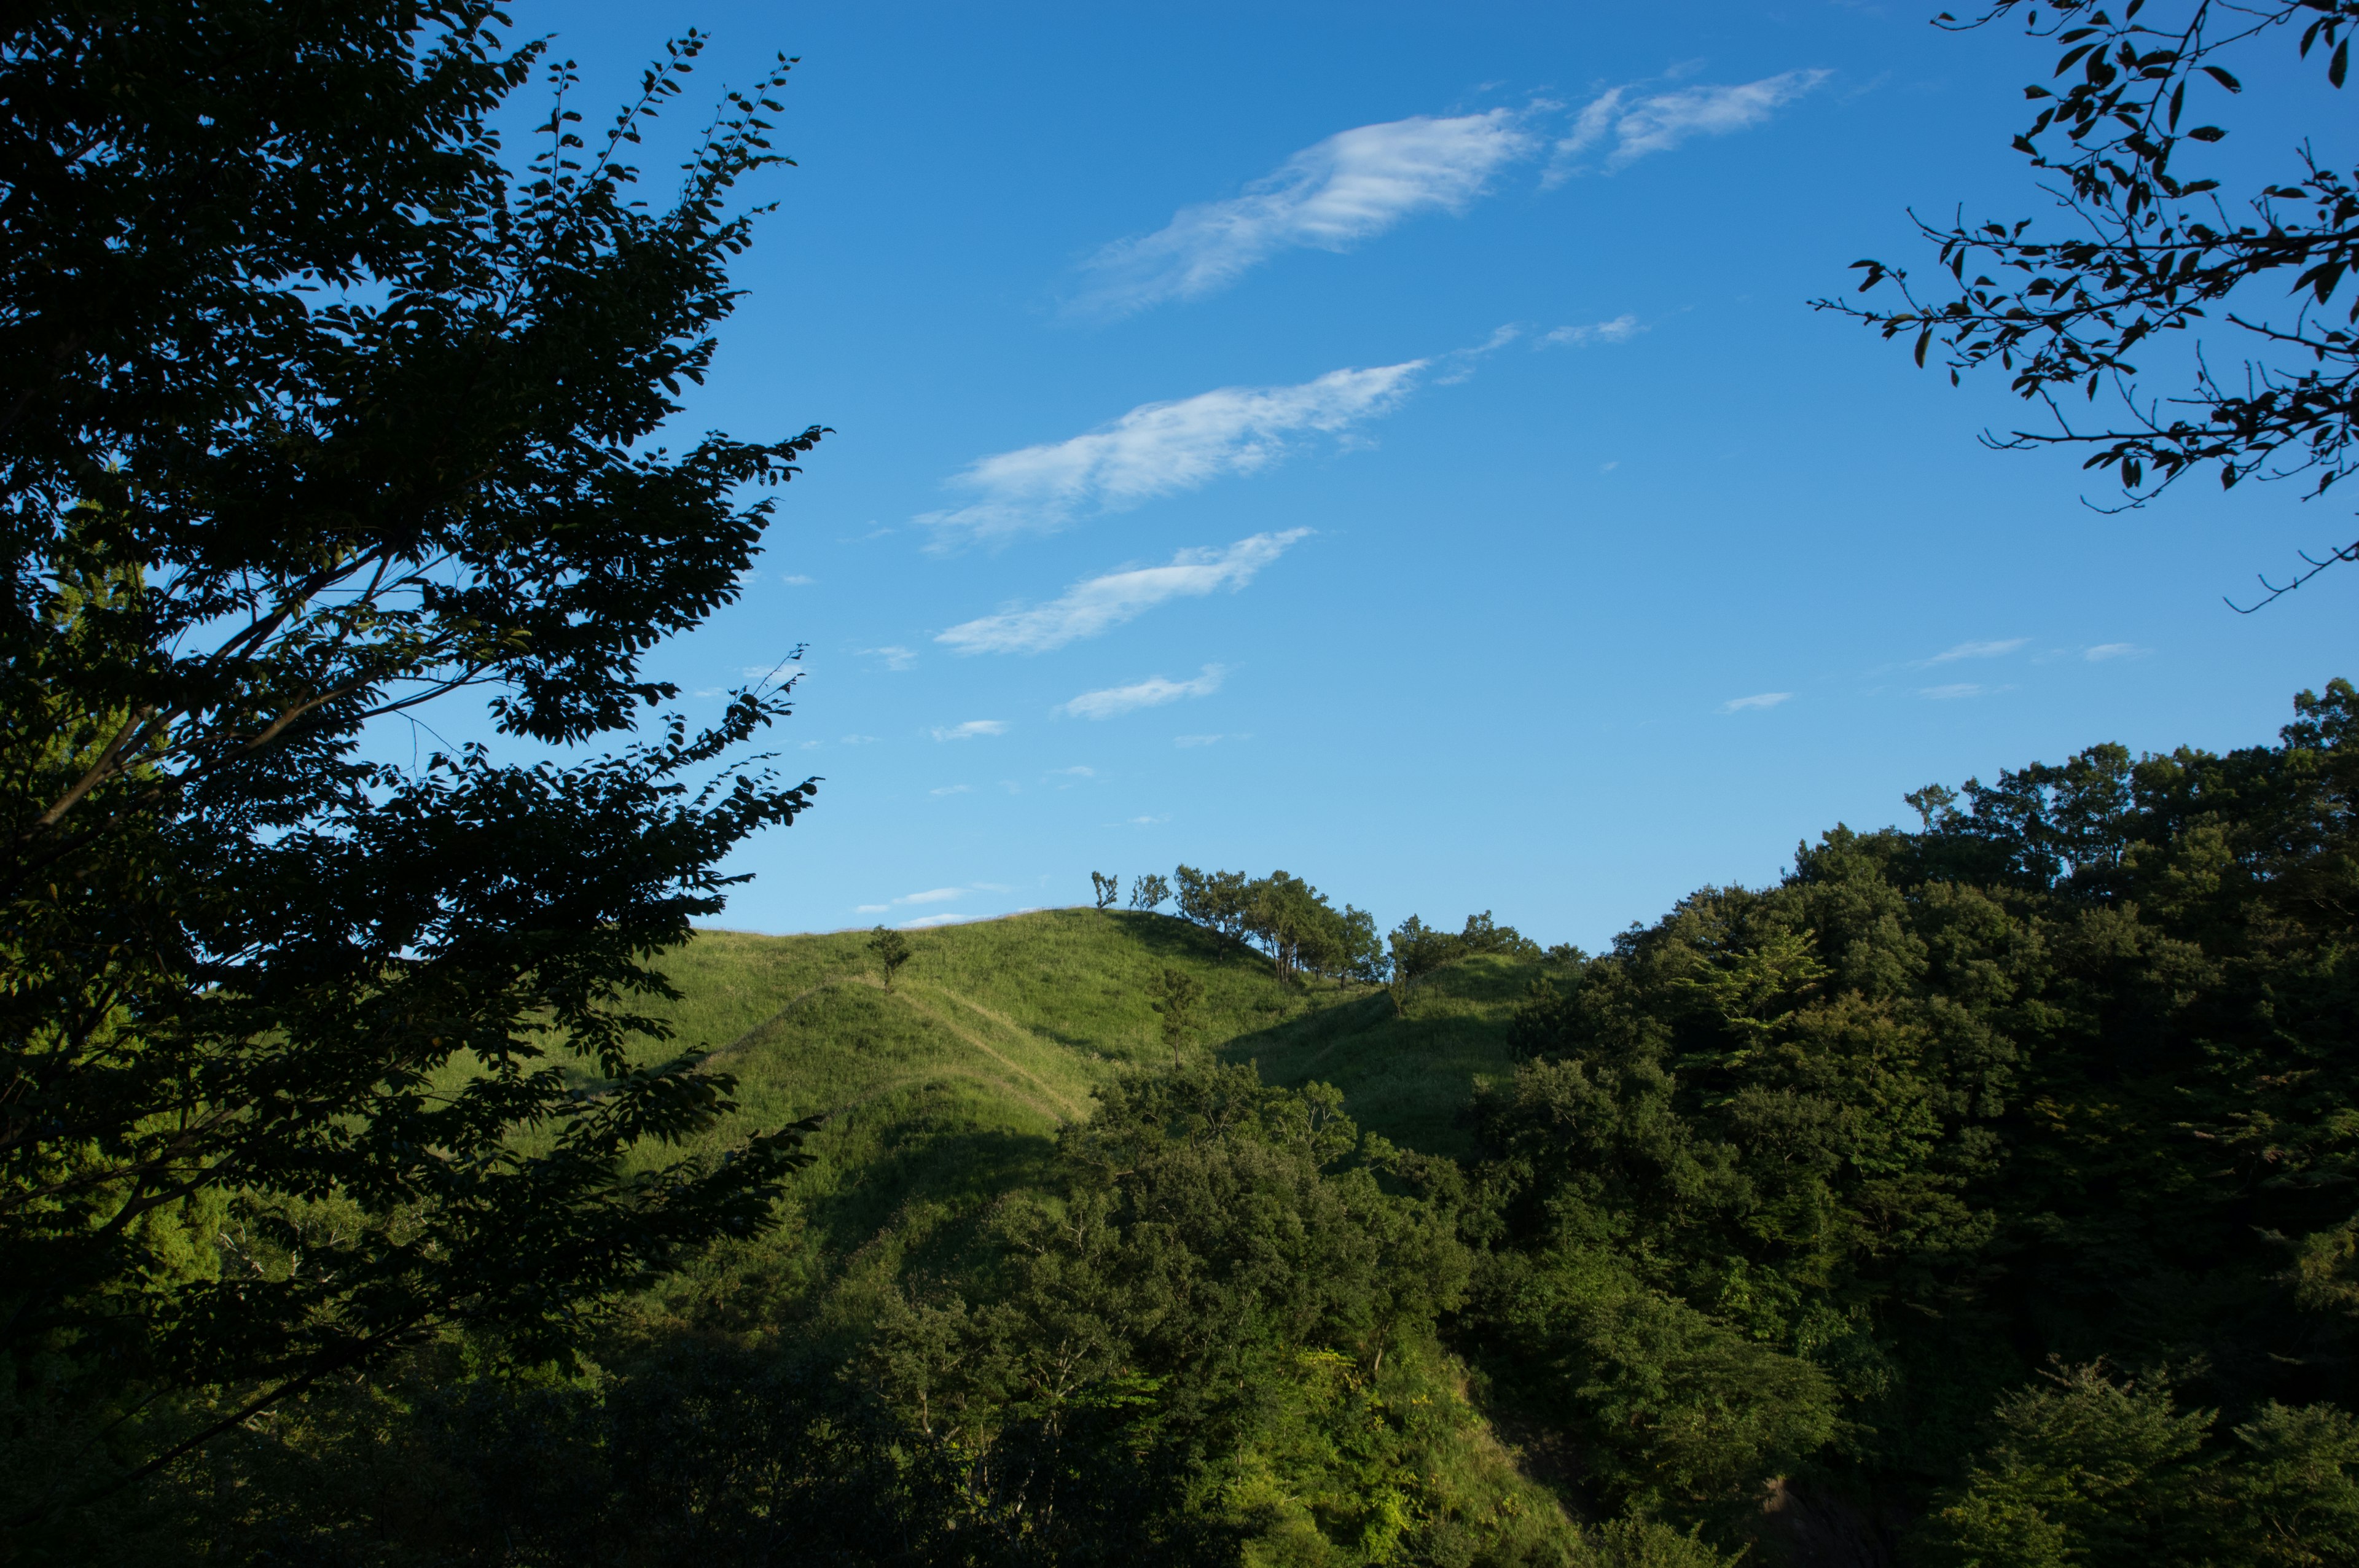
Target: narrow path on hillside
{"x": 1049, "y": 1101}
{"x": 787, "y": 1007}
{"x": 1071, "y": 1112}
{"x": 1046, "y": 1042}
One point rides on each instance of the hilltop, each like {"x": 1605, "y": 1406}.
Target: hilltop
{"x": 947, "y": 1090}
{"x": 1016, "y": 1021}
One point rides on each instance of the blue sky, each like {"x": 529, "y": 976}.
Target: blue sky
{"x": 1394, "y": 446}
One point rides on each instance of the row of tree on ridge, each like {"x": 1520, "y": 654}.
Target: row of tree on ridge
{"x": 1301, "y": 932}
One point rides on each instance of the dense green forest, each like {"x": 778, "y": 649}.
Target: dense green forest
{"x": 397, "y": 1171}
{"x": 1980, "y": 1194}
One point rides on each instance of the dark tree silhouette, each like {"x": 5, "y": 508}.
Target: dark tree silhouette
{"x": 2156, "y": 259}
{"x": 892, "y": 950}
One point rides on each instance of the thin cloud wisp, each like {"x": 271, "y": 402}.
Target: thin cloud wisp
{"x": 1351, "y": 187}
{"x": 1152, "y": 692}
{"x": 1099, "y": 603}
{"x": 1164, "y": 449}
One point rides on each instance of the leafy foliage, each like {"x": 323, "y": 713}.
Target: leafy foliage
{"x": 2070, "y": 1073}
{"x": 1291, "y": 921}
{"x": 310, "y": 414}
{"x": 1810, "y": 1223}
{"x": 2155, "y": 253}
{"x": 892, "y": 950}
{"x": 1203, "y": 1332}
{"x": 2088, "y": 1468}
{"x": 1174, "y": 995}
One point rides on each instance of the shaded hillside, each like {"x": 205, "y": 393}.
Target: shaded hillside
{"x": 1019, "y": 1020}
{"x": 947, "y": 1091}
{"x": 1041, "y": 1297}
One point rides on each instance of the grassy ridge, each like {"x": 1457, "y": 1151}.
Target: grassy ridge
{"x": 949, "y": 1089}
{"x": 1034, "y": 1011}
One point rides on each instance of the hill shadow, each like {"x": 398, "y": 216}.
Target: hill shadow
{"x": 1411, "y": 1079}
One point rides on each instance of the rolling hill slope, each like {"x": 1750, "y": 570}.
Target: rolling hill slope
{"x": 1028, "y": 1015}
{"x": 947, "y": 1090}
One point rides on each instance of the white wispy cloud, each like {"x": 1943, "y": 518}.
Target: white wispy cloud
{"x": 924, "y": 921}
{"x": 931, "y": 895}
{"x": 1099, "y": 603}
{"x": 1073, "y": 773}
{"x": 796, "y": 579}
{"x": 1152, "y": 692}
{"x": 2105, "y": 651}
{"x": 953, "y": 789}
{"x": 1186, "y": 740}
{"x": 1459, "y": 364}
{"x": 1636, "y": 122}
{"x": 1620, "y": 330}
{"x": 857, "y": 740}
{"x": 1957, "y": 690}
{"x": 971, "y": 728}
{"x": 1990, "y": 649}
{"x": 1758, "y": 700}
{"x": 1349, "y": 188}
{"x": 1164, "y": 449}
{"x": 894, "y": 656}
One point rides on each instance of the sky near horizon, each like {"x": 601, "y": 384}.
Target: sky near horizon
{"x": 1396, "y": 447}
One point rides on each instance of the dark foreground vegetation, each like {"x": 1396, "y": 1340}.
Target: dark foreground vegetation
{"x": 1981, "y": 1194}
{"x": 389, "y": 1178}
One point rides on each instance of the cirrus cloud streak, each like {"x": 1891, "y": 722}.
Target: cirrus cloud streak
{"x": 1152, "y": 692}
{"x": 1639, "y": 125}
{"x": 1349, "y": 188}
{"x": 1164, "y": 449}
{"x": 1099, "y": 603}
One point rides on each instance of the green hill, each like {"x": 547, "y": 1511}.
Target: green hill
{"x": 1857, "y": 1219}
{"x": 949, "y": 1089}
{"x": 1016, "y": 1021}
{"x": 935, "y": 1248}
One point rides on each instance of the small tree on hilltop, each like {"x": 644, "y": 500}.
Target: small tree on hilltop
{"x": 1174, "y": 994}
{"x": 1149, "y": 891}
{"x": 1108, "y": 888}
{"x": 1483, "y": 935}
{"x": 892, "y": 950}
{"x": 1418, "y": 951}
{"x": 1364, "y": 950}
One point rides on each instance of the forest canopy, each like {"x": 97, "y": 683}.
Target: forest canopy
{"x": 392, "y": 1175}
{"x": 1980, "y": 1193}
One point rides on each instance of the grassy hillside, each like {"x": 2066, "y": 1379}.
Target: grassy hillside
{"x": 949, "y": 1089}
{"x": 944, "y": 1097}
{"x": 1022, "y": 1018}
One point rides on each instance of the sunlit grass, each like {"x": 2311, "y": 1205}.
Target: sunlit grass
{"x": 947, "y": 1090}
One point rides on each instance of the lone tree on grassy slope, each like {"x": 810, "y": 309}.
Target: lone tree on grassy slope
{"x": 2153, "y": 247}
{"x": 310, "y": 416}
{"x": 1148, "y": 891}
{"x": 892, "y": 950}
{"x": 1174, "y": 994}
{"x": 1106, "y": 888}
{"x": 1418, "y": 951}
